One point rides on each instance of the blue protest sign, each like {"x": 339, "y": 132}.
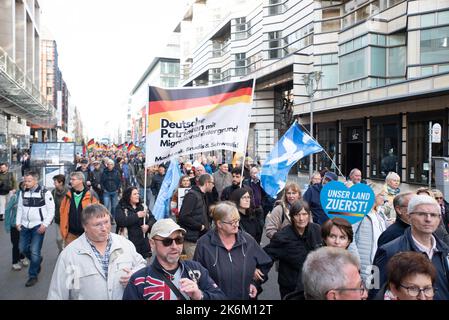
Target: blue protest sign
{"x": 352, "y": 204}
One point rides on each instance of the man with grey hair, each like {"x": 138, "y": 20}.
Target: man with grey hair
{"x": 400, "y": 204}
{"x": 75, "y": 200}
{"x": 331, "y": 273}
{"x": 98, "y": 264}
{"x": 424, "y": 217}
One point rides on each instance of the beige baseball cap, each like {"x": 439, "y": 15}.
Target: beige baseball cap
{"x": 164, "y": 228}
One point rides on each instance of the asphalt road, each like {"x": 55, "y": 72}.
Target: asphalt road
{"x": 12, "y": 283}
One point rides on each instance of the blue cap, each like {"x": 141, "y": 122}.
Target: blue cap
{"x": 331, "y": 176}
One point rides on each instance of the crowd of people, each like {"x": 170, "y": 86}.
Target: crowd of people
{"x": 210, "y": 246}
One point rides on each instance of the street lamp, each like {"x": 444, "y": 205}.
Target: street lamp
{"x": 311, "y": 81}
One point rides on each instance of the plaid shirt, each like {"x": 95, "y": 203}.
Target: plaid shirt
{"x": 104, "y": 260}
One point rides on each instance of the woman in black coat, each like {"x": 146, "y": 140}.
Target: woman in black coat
{"x": 130, "y": 214}
{"x": 249, "y": 221}
{"x": 292, "y": 244}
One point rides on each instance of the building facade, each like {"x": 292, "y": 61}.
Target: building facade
{"x": 384, "y": 67}
{"x": 22, "y": 104}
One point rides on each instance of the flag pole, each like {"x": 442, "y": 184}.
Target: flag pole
{"x": 247, "y": 135}
{"x": 324, "y": 150}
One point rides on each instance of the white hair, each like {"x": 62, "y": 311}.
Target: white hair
{"x": 392, "y": 175}
{"x": 420, "y": 200}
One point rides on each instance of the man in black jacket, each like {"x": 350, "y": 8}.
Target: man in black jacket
{"x": 425, "y": 217}
{"x": 194, "y": 213}
{"x": 400, "y": 204}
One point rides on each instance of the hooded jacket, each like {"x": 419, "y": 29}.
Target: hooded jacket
{"x": 312, "y": 197}
{"x": 232, "y": 270}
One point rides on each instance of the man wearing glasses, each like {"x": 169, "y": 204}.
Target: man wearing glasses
{"x": 331, "y": 273}
{"x": 168, "y": 278}
{"x": 98, "y": 264}
{"x": 424, "y": 215}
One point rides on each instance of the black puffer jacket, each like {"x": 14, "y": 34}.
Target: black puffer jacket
{"x": 291, "y": 249}
{"x": 134, "y": 223}
{"x": 194, "y": 214}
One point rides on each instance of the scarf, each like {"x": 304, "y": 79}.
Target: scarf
{"x": 392, "y": 191}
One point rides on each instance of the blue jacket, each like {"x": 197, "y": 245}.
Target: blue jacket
{"x": 406, "y": 243}
{"x": 232, "y": 270}
{"x": 394, "y": 231}
{"x": 312, "y": 197}
{"x": 146, "y": 284}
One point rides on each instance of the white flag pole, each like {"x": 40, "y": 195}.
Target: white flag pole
{"x": 245, "y": 143}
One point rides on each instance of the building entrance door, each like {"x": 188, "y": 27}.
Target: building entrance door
{"x": 352, "y": 149}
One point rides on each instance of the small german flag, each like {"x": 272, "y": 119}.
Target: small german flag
{"x": 131, "y": 147}
{"x": 90, "y": 144}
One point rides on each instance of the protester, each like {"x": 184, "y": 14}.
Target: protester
{"x": 331, "y": 273}
{"x": 157, "y": 180}
{"x": 72, "y": 205}
{"x": 337, "y": 232}
{"x": 312, "y": 197}
{"x": 59, "y": 193}
{"x": 366, "y": 234}
{"x": 18, "y": 259}
{"x": 263, "y": 203}
{"x": 279, "y": 216}
{"x": 8, "y": 185}
{"x": 184, "y": 182}
{"x": 130, "y": 215}
{"x": 234, "y": 260}
{"x": 110, "y": 184}
{"x": 444, "y": 205}
{"x": 251, "y": 221}
{"x": 291, "y": 246}
{"x": 194, "y": 214}
{"x": 95, "y": 179}
{"x": 35, "y": 212}
{"x": 411, "y": 276}
{"x": 424, "y": 216}
{"x": 391, "y": 190}
{"x": 315, "y": 178}
{"x": 98, "y": 264}
{"x": 167, "y": 277}
{"x": 222, "y": 178}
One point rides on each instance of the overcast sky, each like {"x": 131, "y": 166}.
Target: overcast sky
{"x": 104, "y": 48}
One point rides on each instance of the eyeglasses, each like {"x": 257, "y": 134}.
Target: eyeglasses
{"x": 414, "y": 291}
{"x": 438, "y": 198}
{"x": 233, "y": 222}
{"x": 167, "y": 242}
{"x": 427, "y": 214}
{"x": 362, "y": 289}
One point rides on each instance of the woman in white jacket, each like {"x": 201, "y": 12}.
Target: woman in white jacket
{"x": 366, "y": 233}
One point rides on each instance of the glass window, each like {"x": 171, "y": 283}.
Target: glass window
{"x": 396, "y": 61}
{"x": 329, "y": 79}
{"x": 435, "y": 45}
{"x": 428, "y": 20}
{"x": 353, "y": 66}
{"x": 381, "y": 40}
{"x": 443, "y": 17}
{"x": 327, "y": 137}
{"x": 418, "y": 149}
{"x": 443, "y": 68}
{"x": 357, "y": 43}
{"x": 384, "y": 149}
{"x": 426, "y": 71}
{"x": 396, "y": 39}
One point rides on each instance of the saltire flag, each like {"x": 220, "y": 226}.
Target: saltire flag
{"x": 90, "y": 145}
{"x": 185, "y": 121}
{"x": 161, "y": 207}
{"x": 293, "y": 146}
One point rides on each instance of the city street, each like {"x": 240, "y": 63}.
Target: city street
{"x": 13, "y": 282}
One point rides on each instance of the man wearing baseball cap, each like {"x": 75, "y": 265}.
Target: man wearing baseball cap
{"x": 312, "y": 197}
{"x": 167, "y": 277}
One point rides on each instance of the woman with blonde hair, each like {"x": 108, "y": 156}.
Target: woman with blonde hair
{"x": 391, "y": 190}
{"x": 279, "y": 217}
{"x": 235, "y": 261}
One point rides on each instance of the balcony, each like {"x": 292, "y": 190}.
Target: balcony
{"x": 20, "y": 97}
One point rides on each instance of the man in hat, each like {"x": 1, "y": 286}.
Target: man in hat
{"x": 312, "y": 197}
{"x": 169, "y": 278}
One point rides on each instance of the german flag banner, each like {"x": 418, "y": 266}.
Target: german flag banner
{"x": 90, "y": 145}
{"x": 184, "y": 121}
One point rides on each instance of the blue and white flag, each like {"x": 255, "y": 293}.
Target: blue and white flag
{"x": 161, "y": 207}
{"x": 293, "y": 146}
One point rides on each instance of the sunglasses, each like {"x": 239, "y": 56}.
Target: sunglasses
{"x": 167, "y": 242}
